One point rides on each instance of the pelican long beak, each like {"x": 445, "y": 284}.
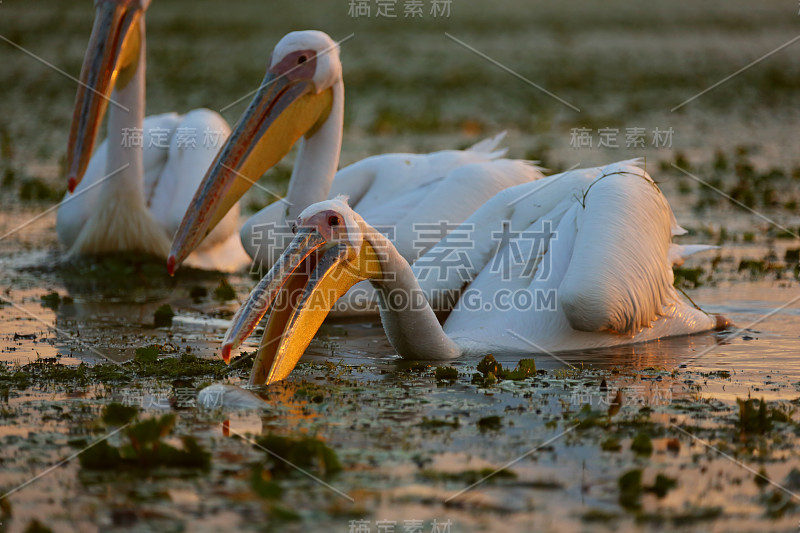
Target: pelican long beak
{"x": 299, "y": 292}
{"x": 111, "y": 61}
{"x": 298, "y": 259}
{"x": 285, "y": 108}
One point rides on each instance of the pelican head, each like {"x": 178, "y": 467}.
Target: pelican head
{"x": 293, "y": 101}
{"x": 333, "y": 249}
{"x": 111, "y": 60}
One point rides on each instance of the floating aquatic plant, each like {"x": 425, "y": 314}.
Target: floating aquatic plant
{"x": 162, "y": 318}
{"x": 303, "y": 451}
{"x": 446, "y": 373}
{"x": 146, "y": 449}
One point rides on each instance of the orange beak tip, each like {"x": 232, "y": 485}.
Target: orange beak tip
{"x": 226, "y": 352}
{"x": 73, "y": 182}
{"x": 722, "y": 323}
{"x": 171, "y": 265}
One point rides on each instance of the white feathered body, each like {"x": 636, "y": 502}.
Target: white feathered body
{"x": 108, "y": 214}
{"x": 603, "y": 278}
{"x": 402, "y": 194}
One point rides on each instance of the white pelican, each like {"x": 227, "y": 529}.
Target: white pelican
{"x": 598, "y": 240}
{"x": 133, "y": 192}
{"x": 302, "y": 100}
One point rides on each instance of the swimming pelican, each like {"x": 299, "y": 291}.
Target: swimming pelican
{"x": 595, "y": 243}
{"x": 301, "y": 100}
{"x": 132, "y": 194}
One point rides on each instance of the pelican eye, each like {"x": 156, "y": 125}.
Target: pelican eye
{"x": 302, "y": 59}
{"x": 334, "y": 220}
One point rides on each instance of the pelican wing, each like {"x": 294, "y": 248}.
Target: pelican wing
{"x": 193, "y": 142}
{"x": 406, "y": 195}
{"x": 157, "y": 135}
{"x": 620, "y": 276}
{"x": 80, "y": 206}
{"x": 376, "y": 180}
{"x": 591, "y": 249}
{"x": 190, "y": 150}
{"x": 520, "y": 206}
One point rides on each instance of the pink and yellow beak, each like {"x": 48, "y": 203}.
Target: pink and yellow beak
{"x": 286, "y": 107}
{"x": 298, "y": 292}
{"x": 111, "y": 60}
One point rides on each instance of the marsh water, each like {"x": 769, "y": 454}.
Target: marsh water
{"x": 663, "y": 436}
